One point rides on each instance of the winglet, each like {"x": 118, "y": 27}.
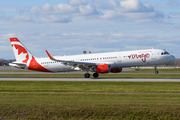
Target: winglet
{"x": 49, "y": 55}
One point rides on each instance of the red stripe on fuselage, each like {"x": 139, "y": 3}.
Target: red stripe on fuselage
{"x": 34, "y": 65}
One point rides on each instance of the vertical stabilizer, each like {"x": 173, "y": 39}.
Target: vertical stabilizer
{"x": 24, "y": 58}
{"x": 21, "y": 53}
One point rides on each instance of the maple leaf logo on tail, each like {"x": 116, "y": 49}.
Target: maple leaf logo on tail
{"x": 24, "y": 58}
{"x": 20, "y": 51}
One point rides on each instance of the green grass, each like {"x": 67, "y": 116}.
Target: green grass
{"x": 62, "y": 106}
{"x": 89, "y": 100}
{"x": 95, "y": 87}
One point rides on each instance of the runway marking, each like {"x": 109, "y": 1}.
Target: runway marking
{"x": 84, "y": 93}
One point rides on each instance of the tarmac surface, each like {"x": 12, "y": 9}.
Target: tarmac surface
{"x": 94, "y": 79}
{"x": 78, "y": 72}
{"x": 85, "y": 79}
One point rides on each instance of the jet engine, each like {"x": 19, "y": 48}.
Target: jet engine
{"x": 102, "y": 68}
{"x": 116, "y": 70}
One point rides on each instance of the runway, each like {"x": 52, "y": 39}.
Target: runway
{"x": 95, "y": 79}
{"x": 74, "y": 73}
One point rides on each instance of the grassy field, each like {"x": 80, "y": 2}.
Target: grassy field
{"x": 97, "y": 87}
{"x": 89, "y": 100}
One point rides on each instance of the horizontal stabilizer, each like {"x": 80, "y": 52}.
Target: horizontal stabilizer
{"x": 18, "y": 63}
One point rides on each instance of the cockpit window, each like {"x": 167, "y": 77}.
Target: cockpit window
{"x": 164, "y": 53}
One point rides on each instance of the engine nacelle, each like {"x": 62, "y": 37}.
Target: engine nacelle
{"x": 116, "y": 70}
{"x": 103, "y": 68}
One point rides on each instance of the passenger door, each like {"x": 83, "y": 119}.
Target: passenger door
{"x": 119, "y": 59}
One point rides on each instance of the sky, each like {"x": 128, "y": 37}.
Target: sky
{"x": 68, "y": 27}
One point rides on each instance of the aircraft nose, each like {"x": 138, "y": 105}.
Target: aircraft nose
{"x": 172, "y": 58}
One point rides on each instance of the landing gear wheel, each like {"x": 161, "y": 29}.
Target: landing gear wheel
{"x": 155, "y": 68}
{"x": 87, "y": 75}
{"x": 95, "y": 75}
{"x": 156, "y": 72}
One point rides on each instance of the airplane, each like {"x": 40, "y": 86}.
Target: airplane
{"x": 99, "y": 63}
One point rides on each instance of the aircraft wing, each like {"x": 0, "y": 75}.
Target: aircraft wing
{"x": 82, "y": 65}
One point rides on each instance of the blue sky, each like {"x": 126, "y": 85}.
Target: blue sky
{"x": 67, "y": 27}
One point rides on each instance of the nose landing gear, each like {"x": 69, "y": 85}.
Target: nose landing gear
{"x": 155, "y": 68}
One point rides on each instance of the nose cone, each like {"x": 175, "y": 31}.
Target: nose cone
{"x": 172, "y": 58}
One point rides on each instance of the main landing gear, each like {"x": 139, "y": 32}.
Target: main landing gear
{"x": 155, "y": 68}
{"x": 95, "y": 75}
{"x": 87, "y": 75}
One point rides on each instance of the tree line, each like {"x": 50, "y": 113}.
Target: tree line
{"x": 6, "y": 62}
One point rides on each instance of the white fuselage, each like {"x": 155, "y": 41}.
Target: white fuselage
{"x": 114, "y": 59}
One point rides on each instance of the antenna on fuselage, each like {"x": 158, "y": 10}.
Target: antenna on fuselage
{"x": 84, "y": 52}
